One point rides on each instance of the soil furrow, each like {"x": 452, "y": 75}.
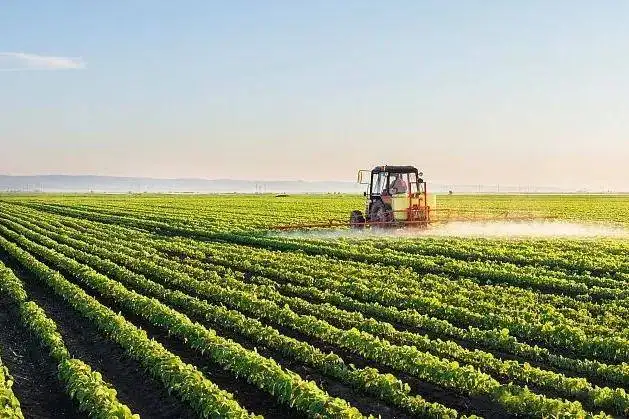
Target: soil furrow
{"x": 135, "y": 387}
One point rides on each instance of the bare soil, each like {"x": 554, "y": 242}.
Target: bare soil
{"x": 136, "y": 388}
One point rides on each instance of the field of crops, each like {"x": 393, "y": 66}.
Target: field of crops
{"x": 164, "y": 306}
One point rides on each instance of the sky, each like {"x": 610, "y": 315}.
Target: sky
{"x": 471, "y": 92}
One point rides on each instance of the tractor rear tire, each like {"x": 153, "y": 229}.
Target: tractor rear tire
{"x": 381, "y": 213}
{"x": 356, "y": 220}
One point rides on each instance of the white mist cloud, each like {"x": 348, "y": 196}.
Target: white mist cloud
{"x": 20, "y": 61}
{"x": 491, "y": 229}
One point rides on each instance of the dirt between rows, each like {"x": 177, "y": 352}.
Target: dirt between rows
{"x": 248, "y": 395}
{"x": 475, "y": 345}
{"x": 464, "y": 404}
{"x": 488, "y": 409}
{"x": 334, "y": 388}
{"x": 135, "y": 387}
{"x": 367, "y": 404}
{"x": 498, "y": 354}
{"x": 470, "y": 345}
{"x": 468, "y": 405}
{"x": 36, "y": 386}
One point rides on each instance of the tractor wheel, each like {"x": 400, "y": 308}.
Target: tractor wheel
{"x": 356, "y": 220}
{"x": 381, "y": 213}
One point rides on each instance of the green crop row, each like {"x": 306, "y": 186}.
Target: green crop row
{"x": 182, "y": 379}
{"x": 506, "y": 300}
{"x": 263, "y": 211}
{"x": 270, "y": 311}
{"x": 384, "y": 386}
{"x": 481, "y": 271}
{"x": 265, "y": 373}
{"x": 512, "y": 369}
{"x": 456, "y": 293}
{"x": 93, "y": 395}
{"x": 613, "y": 348}
{"x": 493, "y": 339}
{"x": 547, "y": 253}
{"x": 568, "y": 311}
{"x": 9, "y": 404}
{"x": 316, "y": 271}
{"x": 182, "y": 222}
{"x": 615, "y": 400}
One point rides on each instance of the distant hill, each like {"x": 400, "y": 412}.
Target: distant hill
{"x": 114, "y": 184}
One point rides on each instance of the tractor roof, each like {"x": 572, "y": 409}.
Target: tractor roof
{"x": 394, "y": 169}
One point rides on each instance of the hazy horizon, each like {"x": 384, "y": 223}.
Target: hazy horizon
{"x": 94, "y": 183}
{"x": 486, "y": 93}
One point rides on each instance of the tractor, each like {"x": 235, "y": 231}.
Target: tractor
{"x": 396, "y": 197}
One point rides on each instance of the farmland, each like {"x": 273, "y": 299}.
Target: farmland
{"x": 167, "y": 306}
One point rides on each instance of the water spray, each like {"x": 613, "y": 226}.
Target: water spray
{"x": 475, "y": 229}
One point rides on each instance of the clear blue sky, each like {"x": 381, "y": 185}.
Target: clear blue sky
{"x": 508, "y": 92}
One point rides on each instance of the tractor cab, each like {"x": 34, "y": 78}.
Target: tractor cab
{"x": 396, "y": 196}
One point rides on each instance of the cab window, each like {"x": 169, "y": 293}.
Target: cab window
{"x": 379, "y": 182}
{"x": 412, "y": 182}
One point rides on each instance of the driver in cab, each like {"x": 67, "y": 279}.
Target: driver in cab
{"x": 398, "y": 186}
